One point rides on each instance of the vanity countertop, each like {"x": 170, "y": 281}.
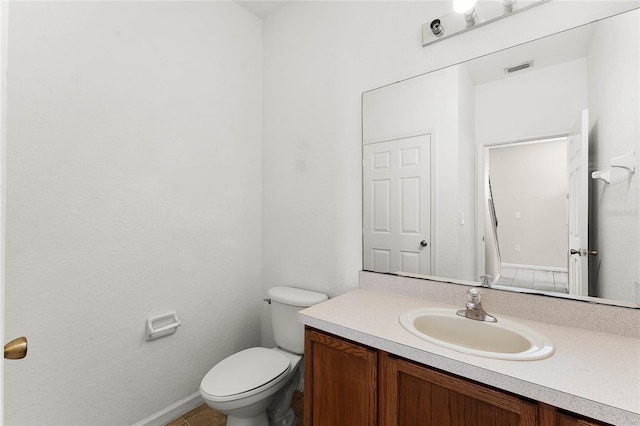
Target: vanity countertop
{"x": 591, "y": 373}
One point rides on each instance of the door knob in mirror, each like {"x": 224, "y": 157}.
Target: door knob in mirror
{"x": 583, "y": 252}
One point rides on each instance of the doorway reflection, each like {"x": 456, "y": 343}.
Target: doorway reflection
{"x": 529, "y": 189}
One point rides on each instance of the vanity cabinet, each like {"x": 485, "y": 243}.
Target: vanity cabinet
{"x": 347, "y": 384}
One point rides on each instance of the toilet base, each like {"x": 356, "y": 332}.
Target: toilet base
{"x": 259, "y": 420}
{"x": 289, "y": 419}
{"x": 280, "y": 412}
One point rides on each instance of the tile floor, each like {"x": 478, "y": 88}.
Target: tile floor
{"x": 204, "y": 415}
{"x": 535, "y": 279}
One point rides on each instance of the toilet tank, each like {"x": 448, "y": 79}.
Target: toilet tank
{"x": 288, "y": 332}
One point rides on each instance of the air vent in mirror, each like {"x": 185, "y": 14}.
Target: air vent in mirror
{"x": 520, "y": 67}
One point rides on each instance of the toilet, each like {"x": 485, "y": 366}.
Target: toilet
{"x": 254, "y": 387}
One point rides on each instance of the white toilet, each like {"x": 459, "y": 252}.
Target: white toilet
{"x": 254, "y": 387}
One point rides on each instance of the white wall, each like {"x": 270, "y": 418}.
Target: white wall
{"x": 465, "y": 221}
{"x": 133, "y": 188}
{"x": 545, "y": 101}
{"x": 614, "y": 130}
{"x": 319, "y": 58}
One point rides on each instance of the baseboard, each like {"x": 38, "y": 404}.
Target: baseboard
{"x": 173, "y": 411}
{"x": 538, "y": 268}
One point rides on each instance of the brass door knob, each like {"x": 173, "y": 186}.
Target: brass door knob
{"x": 16, "y": 349}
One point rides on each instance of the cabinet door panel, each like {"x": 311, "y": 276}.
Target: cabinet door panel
{"x": 340, "y": 382}
{"x": 420, "y": 396}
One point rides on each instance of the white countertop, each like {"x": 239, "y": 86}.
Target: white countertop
{"x": 591, "y": 373}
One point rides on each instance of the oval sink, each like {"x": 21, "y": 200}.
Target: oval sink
{"x": 502, "y": 340}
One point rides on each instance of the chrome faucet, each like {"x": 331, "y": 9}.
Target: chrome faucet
{"x": 474, "y": 308}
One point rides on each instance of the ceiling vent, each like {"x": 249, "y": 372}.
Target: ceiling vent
{"x": 515, "y": 68}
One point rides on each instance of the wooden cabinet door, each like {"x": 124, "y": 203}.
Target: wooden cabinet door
{"x": 415, "y": 395}
{"x": 340, "y": 382}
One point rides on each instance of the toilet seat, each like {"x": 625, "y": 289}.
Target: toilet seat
{"x": 244, "y": 374}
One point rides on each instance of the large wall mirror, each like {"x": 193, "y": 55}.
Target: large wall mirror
{"x": 518, "y": 169}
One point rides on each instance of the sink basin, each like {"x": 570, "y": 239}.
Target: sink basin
{"x": 502, "y": 340}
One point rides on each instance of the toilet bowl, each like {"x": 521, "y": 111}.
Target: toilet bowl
{"x": 245, "y": 384}
{"x": 254, "y": 387}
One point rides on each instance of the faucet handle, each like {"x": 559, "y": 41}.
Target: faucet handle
{"x": 486, "y": 280}
{"x": 474, "y": 295}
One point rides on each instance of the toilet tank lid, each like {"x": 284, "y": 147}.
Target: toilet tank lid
{"x": 296, "y": 296}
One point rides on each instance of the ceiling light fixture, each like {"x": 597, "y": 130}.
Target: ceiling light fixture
{"x": 468, "y": 9}
{"x": 508, "y": 5}
{"x": 476, "y": 14}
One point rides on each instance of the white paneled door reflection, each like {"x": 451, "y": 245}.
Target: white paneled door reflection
{"x": 397, "y": 199}
{"x": 578, "y": 163}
